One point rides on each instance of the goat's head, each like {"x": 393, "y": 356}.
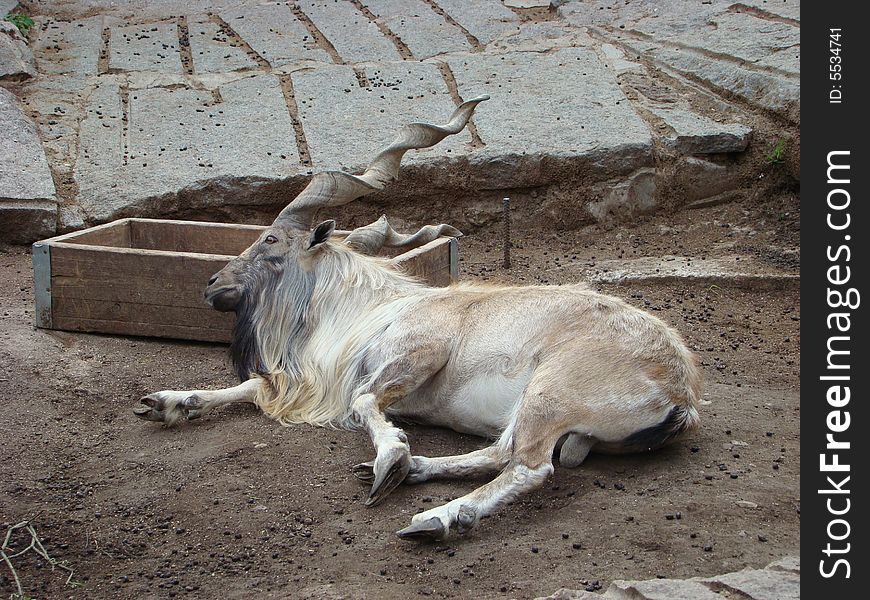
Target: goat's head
{"x": 290, "y": 243}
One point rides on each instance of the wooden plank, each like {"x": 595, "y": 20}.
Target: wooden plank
{"x": 193, "y": 236}
{"x": 181, "y": 332}
{"x": 148, "y": 277}
{"x": 89, "y": 309}
{"x": 229, "y": 239}
{"x": 157, "y": 293}
{"x": 430, "y": 262}
{"x": 115, "y": 234}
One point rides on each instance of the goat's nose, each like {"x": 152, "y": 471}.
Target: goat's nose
{"x": 213, "y": 279}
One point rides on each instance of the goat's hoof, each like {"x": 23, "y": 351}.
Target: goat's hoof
{"x": 150, "y": 408}
{"x": 390, "y": 469}
{"x": 429, "y": 530}
{"x": 168, "y": 407}
{"x": 364, "y": 471}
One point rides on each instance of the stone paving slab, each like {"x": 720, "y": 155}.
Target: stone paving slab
{"x": 486, "y": 20}
{"x": 347, "y": 125}
{"x": 212, "y": 50}
{"x": 736, "y": 35}
{"x": 69, "y": 46}
{"x": 178, "y": 138}
{"x": 25, "y": 174}
{"x": 147, "y": 47}
{"x": 425, "y": 32}
{"x": 59, "y": 102}
{"x": 777, "y": 94}
{"x": 354, "y": 37}
{"x": 580, "y": 115}
{"x": 275, "y": 34}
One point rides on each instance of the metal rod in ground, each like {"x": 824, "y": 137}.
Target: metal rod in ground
{"x": 506, "y": 214}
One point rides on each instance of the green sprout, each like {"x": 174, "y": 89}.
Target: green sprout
{"x": 22, "y": 22}
{"x": 776, "y": 156}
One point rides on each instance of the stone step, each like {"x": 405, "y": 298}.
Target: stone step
{"x": 731, "y": 271}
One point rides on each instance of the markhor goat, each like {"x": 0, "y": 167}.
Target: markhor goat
{"x": 328, "y": 335}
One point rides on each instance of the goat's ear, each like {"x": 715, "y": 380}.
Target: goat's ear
{"x": 321, "y": 233}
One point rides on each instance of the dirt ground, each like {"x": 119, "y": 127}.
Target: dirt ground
{"x": 234, "y": 505}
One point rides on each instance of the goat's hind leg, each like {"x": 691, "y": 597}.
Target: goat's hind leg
{"x": 531, "y": 439}
{"x": 169, "y": 406}
{"x": 486, "y": 461}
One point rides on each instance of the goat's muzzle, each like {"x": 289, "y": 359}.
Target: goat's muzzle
{"x": 221, "y": 296}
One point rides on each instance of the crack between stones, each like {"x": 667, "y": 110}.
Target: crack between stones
{"x": 184, "y": 53}
{"x": 320, "y": 39}
{"x": 232, "y": 35}
{"x": 402, "y": 48}
{"x": 125, "y": 121}
{"x": 450, "y": 82}
{"x": 103, "y": 58}
{"x": 763, "y": 14}
{"x": 475, "y": 43}
{"x": 293, "y": 110}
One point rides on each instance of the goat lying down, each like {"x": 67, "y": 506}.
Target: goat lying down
{"x": 328, "y": 335}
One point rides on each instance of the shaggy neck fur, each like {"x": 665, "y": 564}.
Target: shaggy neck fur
{"x": 306, "y": 333}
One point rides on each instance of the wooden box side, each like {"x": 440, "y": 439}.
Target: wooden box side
{"x": 135, "y": 292}
{"x": 192, "y": 236}
{"x": 436, "y": 263}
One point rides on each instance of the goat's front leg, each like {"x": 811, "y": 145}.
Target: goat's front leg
{"x": 393, "y": 460}
{"x": 401, "y": 377}
{"x": 169, "y": 406}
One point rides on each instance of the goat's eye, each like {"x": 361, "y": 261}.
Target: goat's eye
{"x": 271, "y": 239}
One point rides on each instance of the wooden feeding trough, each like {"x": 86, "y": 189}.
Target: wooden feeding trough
{"x": 147, "y": 276}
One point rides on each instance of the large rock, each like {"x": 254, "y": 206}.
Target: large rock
{"x": 16, "y": 59}
{"x": 779, "y": 581}
{"x": 636, "y": 195}
{"x": 661, "y": 589}
{"x": 28, "y": 209}
{"x": 732, "y": 271}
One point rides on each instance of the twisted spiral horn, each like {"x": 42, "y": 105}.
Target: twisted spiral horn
{"x": 336, "y": 188}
